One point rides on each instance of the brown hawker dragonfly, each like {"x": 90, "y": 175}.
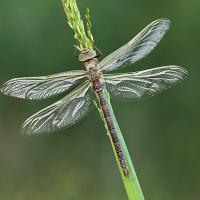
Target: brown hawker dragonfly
{"x": 74, "y": 106}
{"x": 93, "y": 79}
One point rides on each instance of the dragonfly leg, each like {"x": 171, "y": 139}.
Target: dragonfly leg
{"x": 100, "y": 53}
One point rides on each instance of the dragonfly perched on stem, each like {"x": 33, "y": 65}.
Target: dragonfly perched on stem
{"x": 93, "y": 79}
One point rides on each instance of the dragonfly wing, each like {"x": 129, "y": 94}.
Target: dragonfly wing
{"x": 143, "y": 84}
{"x": 62, "y": 114}
{"x": 36, "y": 88}
{"x": 138, "y": 47}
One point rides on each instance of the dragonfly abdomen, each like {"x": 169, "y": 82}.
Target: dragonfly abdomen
{"x": 107, "y": 116}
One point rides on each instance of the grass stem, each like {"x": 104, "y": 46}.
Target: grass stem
{"x": 84, "y": 39}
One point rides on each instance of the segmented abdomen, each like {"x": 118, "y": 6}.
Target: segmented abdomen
{"x": 108, "y": 119}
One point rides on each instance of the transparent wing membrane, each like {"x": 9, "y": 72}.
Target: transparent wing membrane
{"x": 138, "y": 47}
{"x": 62, "y": 114}
{"x": 36, "y": 88}
{"x": 143, "y": 84}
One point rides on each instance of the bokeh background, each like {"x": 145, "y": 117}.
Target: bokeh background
{"x": 162, "y": 133}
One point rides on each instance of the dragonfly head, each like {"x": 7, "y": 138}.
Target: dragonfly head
{"x": 87, "y": 54}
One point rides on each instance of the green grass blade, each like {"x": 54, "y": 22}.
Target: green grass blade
{"x": 83, "y": 41}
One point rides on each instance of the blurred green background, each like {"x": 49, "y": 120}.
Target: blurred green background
{"x": 162, "y": 132}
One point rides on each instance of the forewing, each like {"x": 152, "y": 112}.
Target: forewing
{"x": 62, "y": 114}
{"x": 36, "y": 88}
{"x": 138, "y": 47}
{"x": 143, "y": 84}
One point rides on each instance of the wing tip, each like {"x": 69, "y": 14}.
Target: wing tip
{"x": 164, "y": 20}
{"x": 182, "y": 70}
{"x": 23, "y": 130}
{"x": 26, "y": 131}
{"x": 7, "y": 89}
{"x": 3, "y": 88}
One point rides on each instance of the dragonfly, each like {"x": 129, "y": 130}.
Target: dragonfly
{"x": 95, "y": 78}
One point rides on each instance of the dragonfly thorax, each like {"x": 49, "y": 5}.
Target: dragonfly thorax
{"x": 92, "y": 69}
{"x": 89, "y": 59}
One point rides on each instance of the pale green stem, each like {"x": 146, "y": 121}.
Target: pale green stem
{"x": 131, "y": 183}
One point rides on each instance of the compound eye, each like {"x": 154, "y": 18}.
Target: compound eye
{"x": 85, "y": 52}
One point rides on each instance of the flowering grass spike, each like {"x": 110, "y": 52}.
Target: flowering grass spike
{"x": 74, "y": 20}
